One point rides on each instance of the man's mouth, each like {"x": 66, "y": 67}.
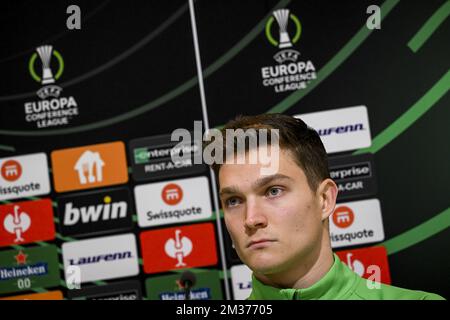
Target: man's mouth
{"x": 260, "y": 243}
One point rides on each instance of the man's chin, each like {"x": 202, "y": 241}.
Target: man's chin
{"x": 263, "y": 264}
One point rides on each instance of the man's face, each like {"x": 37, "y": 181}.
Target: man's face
{"x": 274, "y": 221}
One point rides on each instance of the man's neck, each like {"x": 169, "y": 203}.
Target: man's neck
{"x": 310, "y": 271}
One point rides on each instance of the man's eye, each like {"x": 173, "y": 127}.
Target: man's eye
{"x": 274, "y": 191}
{"x": 232, "y": 202}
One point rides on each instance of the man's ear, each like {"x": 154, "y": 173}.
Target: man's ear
{"x": 327, "y": 193}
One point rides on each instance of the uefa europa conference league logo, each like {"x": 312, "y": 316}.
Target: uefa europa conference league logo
{"x": 290, "y": 73}
{"x": 53, "y": 109}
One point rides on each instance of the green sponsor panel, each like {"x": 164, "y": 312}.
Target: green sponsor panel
{"x": 29, "y": 268}
{"x": 207, "y": 287}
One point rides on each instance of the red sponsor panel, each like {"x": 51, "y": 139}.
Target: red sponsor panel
{"x": 26, "y": 222}
{"x": 179, "y": 248}
{"x": 366, "y": 262}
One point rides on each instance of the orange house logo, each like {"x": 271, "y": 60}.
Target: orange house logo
{"x": 89, "y": 167}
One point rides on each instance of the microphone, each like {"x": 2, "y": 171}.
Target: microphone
{"x": 187, "y": 281}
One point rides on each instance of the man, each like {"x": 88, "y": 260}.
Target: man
{"x": 278, "y": 222}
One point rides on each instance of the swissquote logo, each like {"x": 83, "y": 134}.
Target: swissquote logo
{"x": 177, "y": 201}
{"x": 91, "y": 213}
{"x": 172, "y": 194}
{"x": 102, "y": 258}
{"x": 53, "y": 109}
{"x": 290, "y": 73}
{"x": 24, "y": 176}
{"x": 26, "y": 222}
{"x": 343, "y": 217}
{"x": 89, "y": 166}
{"x": 357, "y": 222}
{"x": 182, "y": 247}
{"x": 11, "y": 170}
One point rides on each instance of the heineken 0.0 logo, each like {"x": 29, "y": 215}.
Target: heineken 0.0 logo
{"x": 283, "y": 17}
{"x": 45, "y": 53}
{"x": 29, "y": 269}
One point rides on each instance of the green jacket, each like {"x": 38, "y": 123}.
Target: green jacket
{"x": 340, "y": 283}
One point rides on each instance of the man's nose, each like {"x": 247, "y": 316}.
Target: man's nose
{"x": 255, "y": 217}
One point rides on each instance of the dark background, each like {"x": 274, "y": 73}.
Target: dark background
{"x": 139, "y": 56}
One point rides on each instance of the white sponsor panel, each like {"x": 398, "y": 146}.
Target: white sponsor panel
{"x": 341, "y": 129}
{"x": 102, "y": 258}
{"x": 355, "y": 223}
{"x": 241, "y": 278}
{"x": 24, "y": 176}
{"x": 173, "y": 201}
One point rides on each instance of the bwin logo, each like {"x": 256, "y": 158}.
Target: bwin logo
{"x": 341, "y": 129}
{"x": 104, "y": 212}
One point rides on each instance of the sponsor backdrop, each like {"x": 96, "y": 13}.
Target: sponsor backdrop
{"x": 93, "y": 207}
